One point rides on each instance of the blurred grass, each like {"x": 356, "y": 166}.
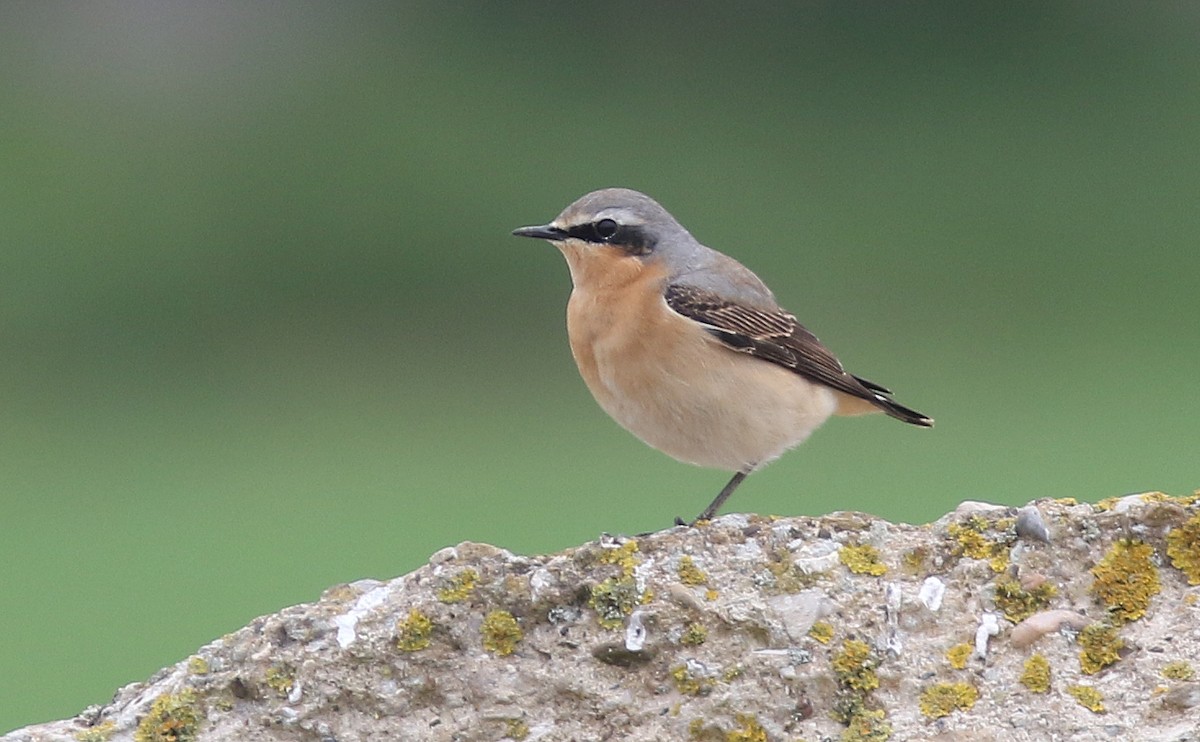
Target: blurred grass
{"x": 262, "y": 329}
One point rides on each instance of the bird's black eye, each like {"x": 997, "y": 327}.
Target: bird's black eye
{"x": 606, "y": 228}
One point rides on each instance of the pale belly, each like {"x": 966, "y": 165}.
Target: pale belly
{"x": 687, "y": 395}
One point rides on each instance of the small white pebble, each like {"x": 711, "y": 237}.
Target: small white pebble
{"x": 814, "y": 557}
{"x": 931, "y": 593}
{"x": 989, "y": 625}
{"x": 635, "y": 632}
{"x": 345, "y": 628}
{"x": 539, "y": 583}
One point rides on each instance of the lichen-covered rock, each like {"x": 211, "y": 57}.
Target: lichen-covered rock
{"x": 747, "y": 628}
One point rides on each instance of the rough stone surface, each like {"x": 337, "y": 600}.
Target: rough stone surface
{"x": 744, "y": 629}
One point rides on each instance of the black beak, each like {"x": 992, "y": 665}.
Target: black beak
{"x": 544, "y": 232}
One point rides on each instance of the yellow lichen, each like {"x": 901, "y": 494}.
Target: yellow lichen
{"x": 862, "y": 560}
{"x": 173, "y": 717}
{"x": 413, "y": 631}
{"x": 515, "y": 729}
{"x": 458, "y": 587}
{"x": 913, "y": 560}
{"x": 970, "y": 541}
{"x": 959, "y": 654}
{"x": 943, "y": 699}
{"x": 689, "y": 573}
{"x": 1019, "y": 604}
{"x": 281, "y": 678}
{"x": 501, "y": 633}
{"x": 1183, "y": 547}
{"x": 1101, "y": 646}
{"x": 1178, "y": 670}
{"x": 99, "y": 733}
{"x": 197, "y": 665}
{"x": 867, "y": 726}
{"x": 624, "y": 556}
{"x": 749, "y": 730}
{"x": 1126, "y": 579}
{"x": 822, "y": 631}
{"x": 694, "y": 635}
{"x": 855, "y": 666}
{"x": 1088, "y": 697}
{"x": 710, "y": 594}
{"x": 689, "y": 684}
{"x": 1036, "y": 676}
{"x": 731, "y": 673}
{"x": 613, "y": 600}
{"x": 1107, "y": 504}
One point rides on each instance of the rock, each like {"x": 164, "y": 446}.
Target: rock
{"x": 746, "y": 628}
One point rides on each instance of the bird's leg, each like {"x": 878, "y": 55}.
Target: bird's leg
{"x": 711, "y": 511}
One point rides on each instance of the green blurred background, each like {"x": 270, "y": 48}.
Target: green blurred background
{"x": 263, "y": 328}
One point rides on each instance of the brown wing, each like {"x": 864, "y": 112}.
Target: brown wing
{"x": 777, "y": 337}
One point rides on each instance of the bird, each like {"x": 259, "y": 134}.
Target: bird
{"x": 688, "y": 349}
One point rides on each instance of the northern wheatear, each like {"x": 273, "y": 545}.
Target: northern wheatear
{"x": 686, "y": 348}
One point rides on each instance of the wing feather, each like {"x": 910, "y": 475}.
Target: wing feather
{"x": 776, "y": 336}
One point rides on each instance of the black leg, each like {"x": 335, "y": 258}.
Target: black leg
{"x": 711, "y": 511}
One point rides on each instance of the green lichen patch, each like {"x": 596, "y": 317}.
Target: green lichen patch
{"x": 694, "y": 635}
{"x": 1088, "y": 697}
{"x": 197, "y": 665}
{"x": 867, "y": 726}
{"x": 1019, "y": 604}
{"x": 101, "y": 732}
{"x": 787, "y": 577}
{"x": 690, "y": 684}
{"x": 822, "y": 631}
{"x": 413, "y": 631}
{"x": 173, "y": 717}
{"x": 1101, "y": 647}
{"x": 1178, "y": 670}
{"x": 689, "y": 573}
{"x": 943, "y": 699}
{"x": 862, "y": 560}
{"x": 1036, "y": 675}
{"x": 613, "y": 600}
{"x": 854, "y": 665}
{"x": 501, "y": 633}
{"x": 515, "y": 729}
{"x": 457, "y": 587}
{"x": 280, "y": 678}
{"x": 915, "y": 560}
{"x": 958, "y": 655}
{"x": 1126, "y": 579}
{"x": 1183, "y": 547}
{"x": 748, "y": 730}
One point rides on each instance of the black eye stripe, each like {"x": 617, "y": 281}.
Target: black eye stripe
{"x": 608, "y": 232}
